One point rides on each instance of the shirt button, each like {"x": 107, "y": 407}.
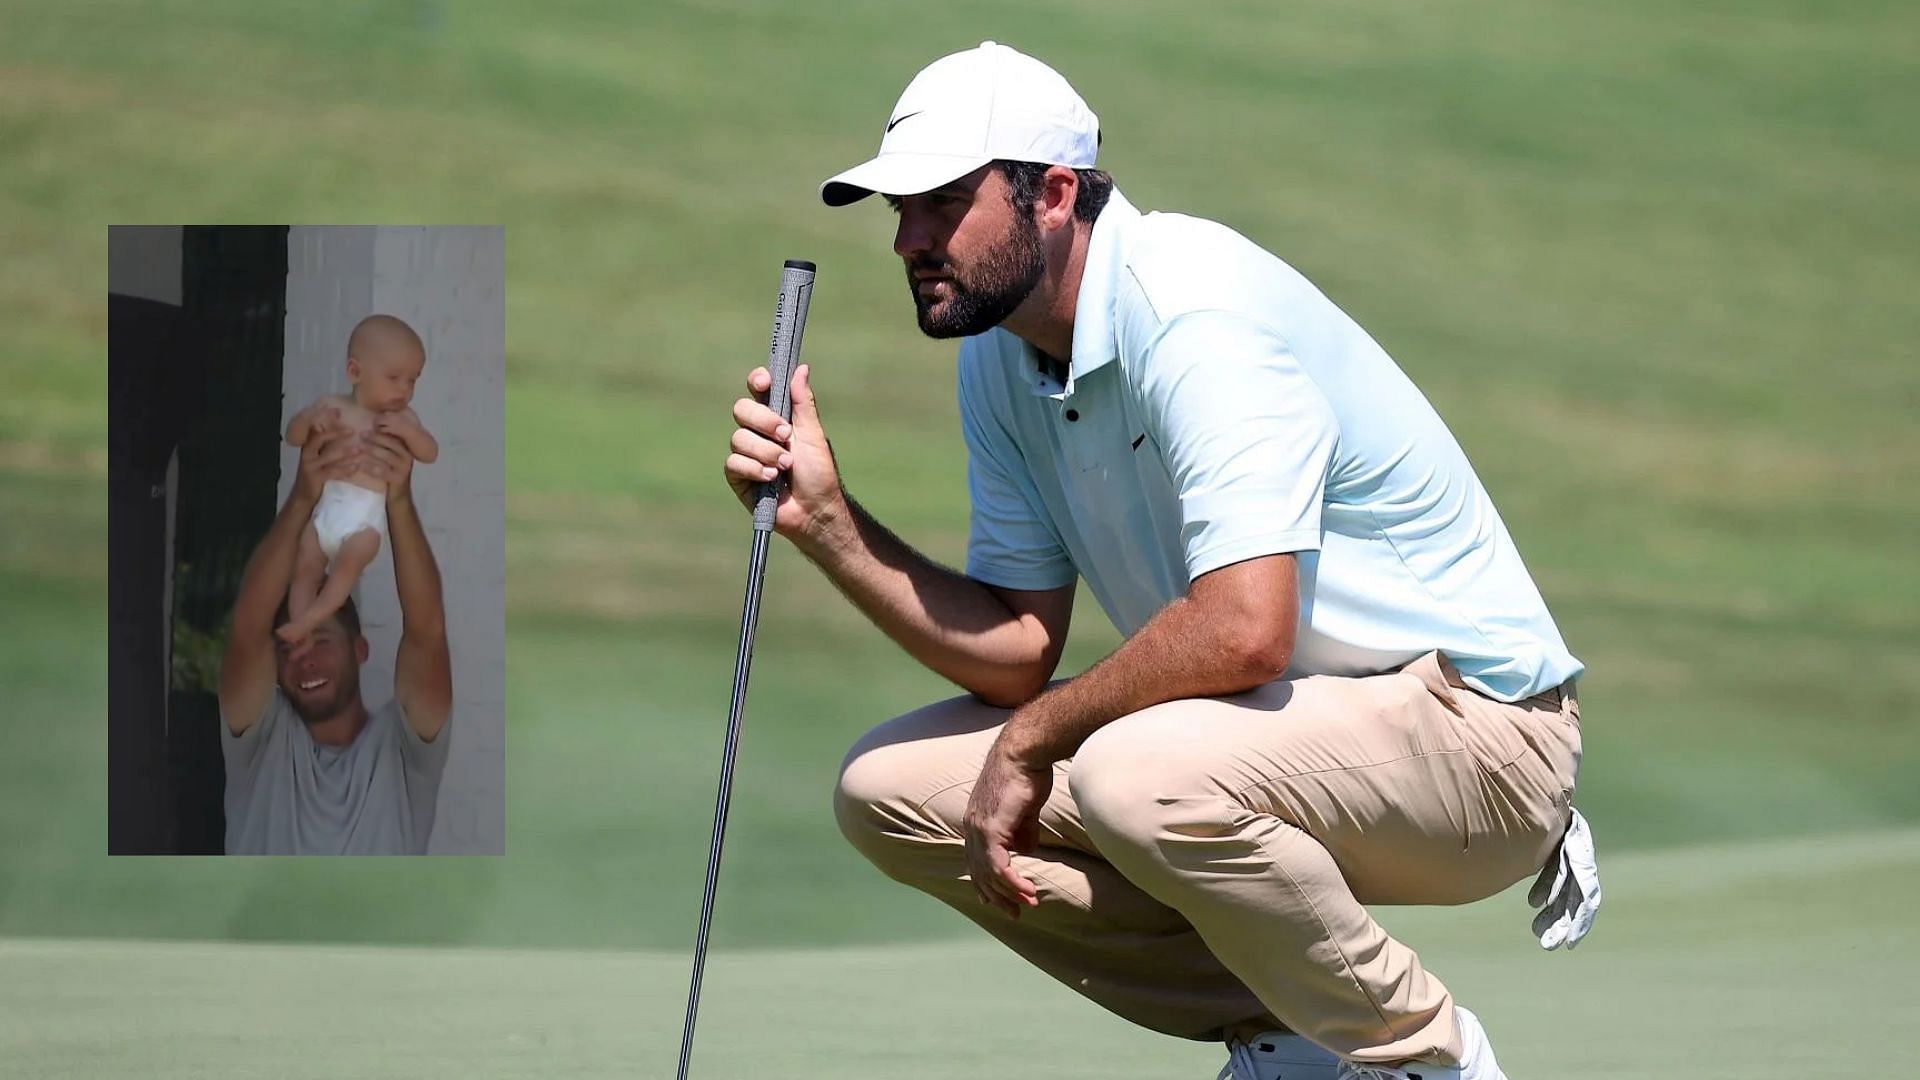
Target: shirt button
{"x": 1072, "y": 416}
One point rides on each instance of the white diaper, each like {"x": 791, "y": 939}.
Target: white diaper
{"x": 345, "y": 509}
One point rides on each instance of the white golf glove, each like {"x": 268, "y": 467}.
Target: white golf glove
{"x": 1567, "y": 892}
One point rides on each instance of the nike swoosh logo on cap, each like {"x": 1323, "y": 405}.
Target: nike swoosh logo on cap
{"x": 895, "y": 122}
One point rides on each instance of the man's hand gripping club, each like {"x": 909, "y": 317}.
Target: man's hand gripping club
{"x": 763, "y": 446}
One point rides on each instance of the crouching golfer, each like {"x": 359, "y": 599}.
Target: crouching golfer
{"x": 310, "y": 770}
{"x": 1339, "y": 685}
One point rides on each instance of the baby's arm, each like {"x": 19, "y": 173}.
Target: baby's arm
{"x": 311, "y": 419}
{"x": 420, "y": 443}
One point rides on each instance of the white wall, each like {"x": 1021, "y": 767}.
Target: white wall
{"x": 448, "y": 284}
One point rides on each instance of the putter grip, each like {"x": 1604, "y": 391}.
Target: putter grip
{"x": 783, "y": 352}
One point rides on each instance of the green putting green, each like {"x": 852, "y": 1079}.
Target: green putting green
{"x": 1749, "y": 961}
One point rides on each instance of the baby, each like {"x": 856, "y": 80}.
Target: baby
{"x": 384, "y": 358}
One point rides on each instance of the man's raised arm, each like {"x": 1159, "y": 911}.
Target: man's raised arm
{"x": 247, "y": 666}
{"x": 422, "y": 667}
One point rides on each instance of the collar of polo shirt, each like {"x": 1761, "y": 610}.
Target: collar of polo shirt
{"x": 1094, "y": 344}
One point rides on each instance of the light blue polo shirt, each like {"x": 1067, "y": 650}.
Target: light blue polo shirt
{"x": 1219, "y": 408}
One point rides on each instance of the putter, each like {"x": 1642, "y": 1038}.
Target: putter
{"x": 789, "y": 322}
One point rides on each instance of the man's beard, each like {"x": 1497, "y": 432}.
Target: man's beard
{"x": 345, "y": 689}
{"x": 989, "y": 291}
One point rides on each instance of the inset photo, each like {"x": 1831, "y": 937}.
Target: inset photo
{"x": 306, "y": 550}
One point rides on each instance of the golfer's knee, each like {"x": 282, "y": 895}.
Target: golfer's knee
{"x": 873, "y": 804}
{"x": 1136, "y": 792}
{"x": 858, "y": 799}
{"x": 1112, "y": 779}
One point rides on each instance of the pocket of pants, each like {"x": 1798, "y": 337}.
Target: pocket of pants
{"x": 1486, "y": 729}
{"x": 1533, "y": 778}
{"x": 1566, "y": 752}
{"x": 1495, "y": 741}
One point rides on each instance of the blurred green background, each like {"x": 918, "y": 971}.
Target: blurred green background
{"x": 1654, "y": 264}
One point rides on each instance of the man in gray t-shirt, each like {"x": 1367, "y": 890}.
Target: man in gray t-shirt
{"x": 310, "y": 770}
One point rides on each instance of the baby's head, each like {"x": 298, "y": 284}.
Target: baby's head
{"x": 384, "y": 358}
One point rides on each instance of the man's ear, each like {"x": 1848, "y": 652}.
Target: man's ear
{"x": 1059, "y": 189}
{"x": 361, "y": 650}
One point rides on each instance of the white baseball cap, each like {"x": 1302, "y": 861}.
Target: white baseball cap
{"x": 964, "y": 110}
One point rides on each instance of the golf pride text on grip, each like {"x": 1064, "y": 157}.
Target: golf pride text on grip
{"x": 783, "y": 351}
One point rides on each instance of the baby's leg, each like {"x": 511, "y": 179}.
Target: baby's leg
{"x": 355, "y": 554}
{"x": 309, "y": 566}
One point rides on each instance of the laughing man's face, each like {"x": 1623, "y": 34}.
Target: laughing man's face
{"x": 326, "y": 677}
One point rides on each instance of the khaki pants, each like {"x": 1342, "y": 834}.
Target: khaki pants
{"x": 1204, "y": 863}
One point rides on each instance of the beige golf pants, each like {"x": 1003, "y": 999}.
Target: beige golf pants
{"x": 1204, "y": 863}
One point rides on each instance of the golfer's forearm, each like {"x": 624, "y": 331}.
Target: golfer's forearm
{"x": 946, "y": 620}
{"x": 1184, "y": 651}
{"x": 416, "y": 577}
{"x": 270, "y": 569}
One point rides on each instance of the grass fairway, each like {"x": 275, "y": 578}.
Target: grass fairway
{"x": 1706, "y": 963}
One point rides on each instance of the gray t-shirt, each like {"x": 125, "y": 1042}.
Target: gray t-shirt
{"x": 288, "y": 795}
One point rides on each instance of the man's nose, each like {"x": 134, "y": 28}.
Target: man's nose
{"x": 912, "y": 236}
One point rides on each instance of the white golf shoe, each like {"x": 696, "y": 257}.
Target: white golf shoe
{"x": 1476, "y": 1063}
{"x": 1278, "y": 1055}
